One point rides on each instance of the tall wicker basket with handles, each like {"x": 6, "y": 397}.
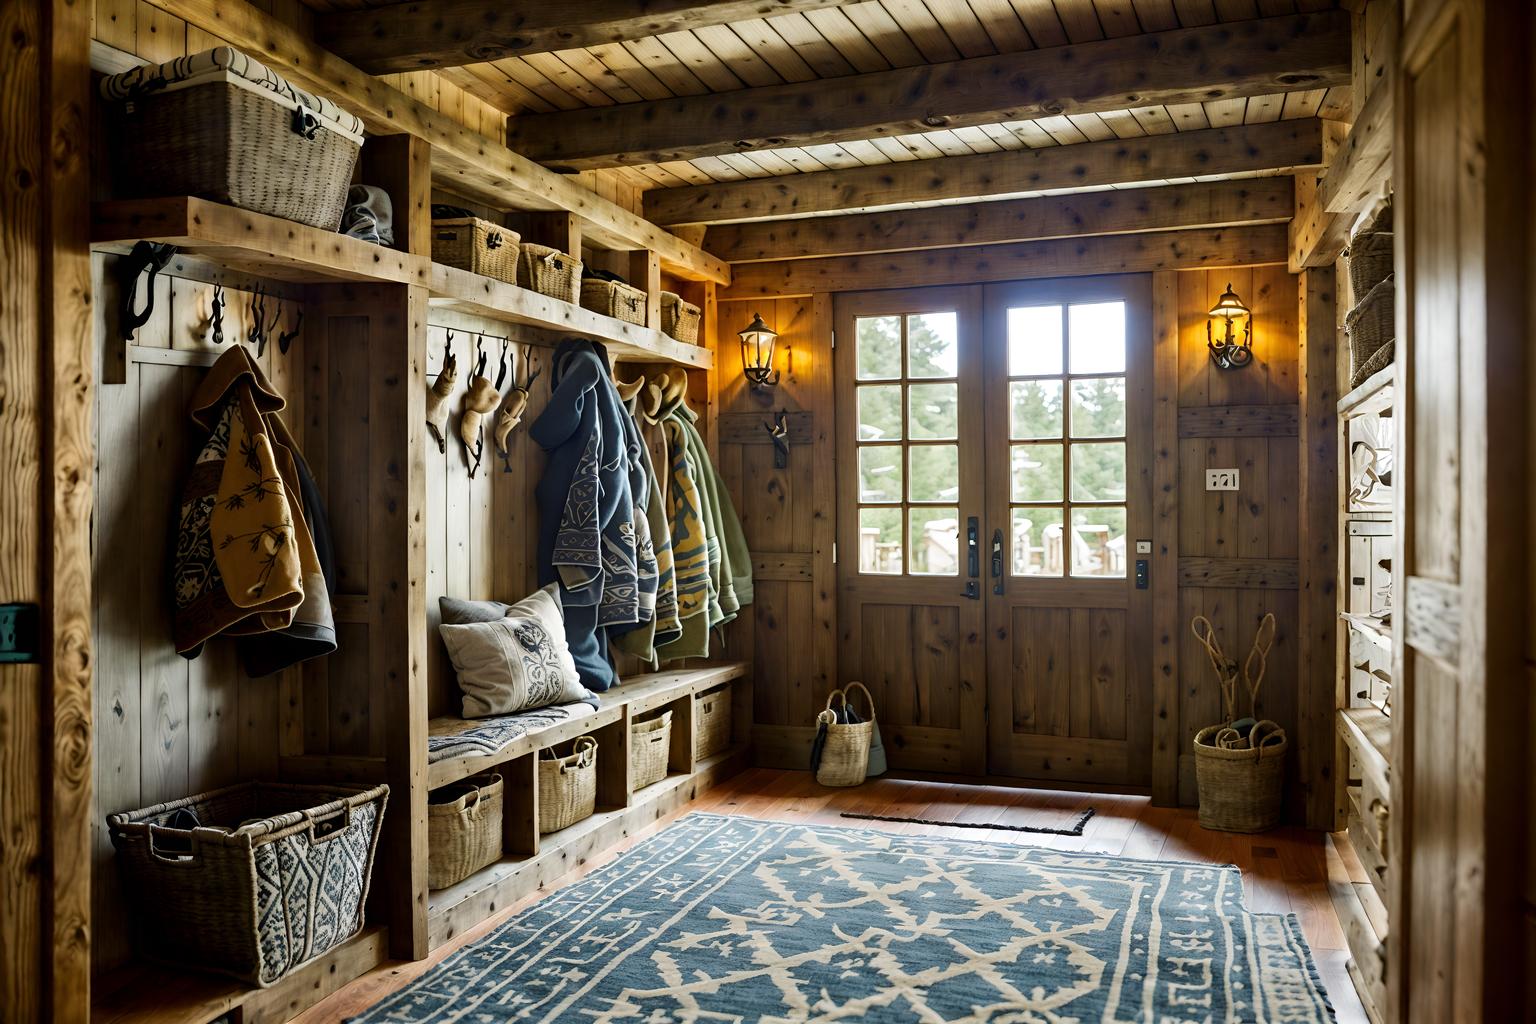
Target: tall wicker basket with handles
{"x": 712, "y": 713}
{"x": 845, "y": 750}
{"x": 463, "y": 829}
{"x": 1240, "y": 763}
{"x": 568, "y": 786}
{"x": 650, "y": 744}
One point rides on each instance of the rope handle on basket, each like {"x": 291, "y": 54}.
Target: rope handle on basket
{"x": 1263, "y": 640}
{"x": 1225, "y": 668}
{"x": 583, "y": 754}
{"x": 868, "y": 699}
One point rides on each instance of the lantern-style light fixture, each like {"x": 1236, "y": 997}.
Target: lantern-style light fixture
{"x": 757, "y": 354}
{"x": 1229, "y": 353}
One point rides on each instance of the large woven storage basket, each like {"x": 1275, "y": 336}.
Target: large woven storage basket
{"x": 549, "y": 272}
{"x": 253, "y": 880}
{"x": 1370, "y": 260}
{"x": 615, "y": 299}
{"x": 568, "y": 786}
{"x": 845, "y": 749}
{"x": 712, "y": 718}
{"x": 225, "y": 127}
{"x": 650, "y": 744}
{"x": 1240, "y": 790}
{"x": 1370, "y": 326}
{"x": 476, "y": 245}
{"x": 463, "y": 829}
{"x": 680, "y": 319}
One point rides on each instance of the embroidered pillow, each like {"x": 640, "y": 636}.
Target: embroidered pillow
{"x": 517, "y": 662}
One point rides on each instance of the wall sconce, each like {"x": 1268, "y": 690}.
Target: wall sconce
{"x": 1229, "y": 353}
{"x": 757, "y": 354}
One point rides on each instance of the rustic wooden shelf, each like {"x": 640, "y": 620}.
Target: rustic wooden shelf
{"x": 1370, "y": 628}
{"x": 1372, "y": 398}
{"x": 1368, "y": 732}
{"x": 461, "y": 291}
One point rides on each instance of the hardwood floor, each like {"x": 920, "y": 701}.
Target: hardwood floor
{"x": 1285, "y": 871}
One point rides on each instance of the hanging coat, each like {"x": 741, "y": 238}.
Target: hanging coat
{"x": 663, "y": 627}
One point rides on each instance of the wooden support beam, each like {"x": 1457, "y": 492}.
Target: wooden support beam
{"x": 1228, "y": 61}
{"x": 1079, "y": 257}
{"x": 645, "y": 273}
{"x": 1317, "y": 236}
{"x": 449, "y": 33}
{"x": 463, "y": 161}
{"x": 1358, "y": 171}
{"x": 1270, "y": 148}
{"x": 1120, "y": 211}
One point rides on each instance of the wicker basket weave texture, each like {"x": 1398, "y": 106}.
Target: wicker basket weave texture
{"x": 568, "y": 786}
{"x": 1370, "y": 325}
{"x": 1240, "y": 790}
{"x": 845, "y": 755}
{"x": 615, "y": 299}
{"x": 712, "y": 713}
{"x": 680, "y": 319}
{"x": 650, "y": 744}
{"x": 232, "y": 145}
{"x": 463, "y": 829}
{"x": 549, "y": 271}
{"x": 1370, "y": 260}
{"x": 275, "y": 876}
{"x": 476, "y": 245}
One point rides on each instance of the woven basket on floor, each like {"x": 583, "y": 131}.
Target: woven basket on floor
{"x": 1370, "y": 260}
{"x": 252, "y": 880}
{"x": 650, "y": 744}
{"x": 845, "y": 752}
{"x": 228, "y": 129}
{"x": 568, "y": 786}
{"x": 1370, "y": 325}
{"x": 476, "y": 245}
{"x": 712, "y": 717}
{"x": 680, "y": 319}
{"x": 615, "y": 299}
{"x": 1240, "y": 789}
{"x": 463, "y": 829}
{"x": 549, "y": 272}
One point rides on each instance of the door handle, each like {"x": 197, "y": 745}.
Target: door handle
{"x": 973, "y": 558}
{"x": 997, "y": 560}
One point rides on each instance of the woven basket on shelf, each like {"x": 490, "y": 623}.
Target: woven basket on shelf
{"x": 476, "y": 245}
{"x": 568, "y": 786}
{"x": 615, "y": 299}
{"x": 680, "y": 319}
{"x": 463, "y": 829}
{"x": 549, "y": 272}
{"x": 1370, "y": 260}
{"x": 845, "y": 749}
{"x": 712, "y": 715}
{"x": 1240, "y": 789}
{"x": 191, "y": 869}
{"x": 650, "y": 744}
{"x": 1370, "y": 326}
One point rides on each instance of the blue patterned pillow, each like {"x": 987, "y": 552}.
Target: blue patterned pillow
{"x": 516, "y": 662}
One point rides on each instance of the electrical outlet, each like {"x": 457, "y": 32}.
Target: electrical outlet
{"x": 1221, "y": 479}
{"x": 1143, "y": 547}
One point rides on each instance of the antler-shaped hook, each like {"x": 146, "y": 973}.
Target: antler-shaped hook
{"x": 285, "y": 338}
{"x": 259, "y": 330}
{"x": 481, "y": 399}
{"x": 216, "y": 315}
{"x": 438, "y": 393}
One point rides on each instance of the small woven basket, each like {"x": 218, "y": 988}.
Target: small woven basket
{"x": 463, "y": 829}
{"x": 680, "y": 319}
{"x": 845, "y": 753}
{"x": 615, "y": 299}
{"x": 712, "y": 713}
{"x": 549, "y": 272}
{"x": 476, "y": 245}
{"x": 650, "y": 744}
{"x": 1370, "y": 260}
{"x": 568, "y": 786}
{"x": 1240, "y": 789}
{"x": 1370, "y": 325}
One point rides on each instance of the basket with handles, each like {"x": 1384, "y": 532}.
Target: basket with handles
{"x": 1239, "y": 763}
{"x": 844, "y": 746}
{"x": 650, "y": 743}
{"x": 568, "y": 786}
{"x": 463, "y": 829}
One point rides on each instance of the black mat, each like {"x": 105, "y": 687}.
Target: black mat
{"x": 1075, "y": 830}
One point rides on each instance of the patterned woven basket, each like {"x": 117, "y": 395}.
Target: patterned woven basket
{"x": 650, "y": 743}
{"x": 680, "y": 319}
{"x": 615, "y": 299}
{"x": 1370, "y": 260}
{"x": 845, "y": 751}
{"x": 1240, "y": 789}
{"x": 253, "y": 880}
{"x": 463, "y": 829}
{"x": 568, "y": 786}
{"x": 1370, "y": 325}
{"x": 476, "y": 245}
{"x": 549, "y": 272}
{"x": 712, "y": 712}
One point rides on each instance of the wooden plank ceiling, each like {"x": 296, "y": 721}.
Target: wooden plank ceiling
{"x": 806, "y": 41}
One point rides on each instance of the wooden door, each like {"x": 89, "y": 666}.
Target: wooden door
{"x": 1068, "y": 480}
{"x": 910, "y": 439}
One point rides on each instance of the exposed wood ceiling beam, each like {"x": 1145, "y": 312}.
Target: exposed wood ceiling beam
{"x": 1236, "y": 59}
{"x": 463, "y": 161}
{"x": 1122, "y": 211}
{"x": 1071, "y": 257}
{"x": 450, "y": 33}
{"x": 1276, "y": 147}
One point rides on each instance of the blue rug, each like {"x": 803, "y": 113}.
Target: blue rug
{"x": 726, "y": 919}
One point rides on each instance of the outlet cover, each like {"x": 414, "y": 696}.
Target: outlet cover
{"x": 1221, "y": 479}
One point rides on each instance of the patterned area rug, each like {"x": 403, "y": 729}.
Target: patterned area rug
{"x": 726, "y": 919}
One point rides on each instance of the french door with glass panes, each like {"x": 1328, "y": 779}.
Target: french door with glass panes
{"x": 998, "y": 442}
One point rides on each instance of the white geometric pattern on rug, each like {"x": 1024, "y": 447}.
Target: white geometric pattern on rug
{"x": 732, "y": 919}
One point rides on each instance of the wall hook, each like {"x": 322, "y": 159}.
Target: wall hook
{"x": 256, "y": 335}
{"x": 216, "y": 318}
{"x": 778, "y": 430}
{"x": 511, "y": 412}
{"x": 480, "y": 400}
{"x": 150, "y": 256}
{"x": 438, "y": 393}
{"x": 286, "y": 338}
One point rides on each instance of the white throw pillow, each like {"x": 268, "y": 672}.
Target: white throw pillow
{"x": 516, "y": 663}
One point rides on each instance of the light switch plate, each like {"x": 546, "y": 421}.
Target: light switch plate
{"x": 1143, "y": 547}
{"x": 1221, "y": 479}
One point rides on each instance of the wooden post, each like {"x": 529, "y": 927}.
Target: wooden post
{"x": 1166, "y": 630}
{"x": 645, "y": 273}
{"x": 402, "y": 166}
{"x": 557, "y": 229}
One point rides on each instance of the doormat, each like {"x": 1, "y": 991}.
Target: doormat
{"x": 1075, "y": 830}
